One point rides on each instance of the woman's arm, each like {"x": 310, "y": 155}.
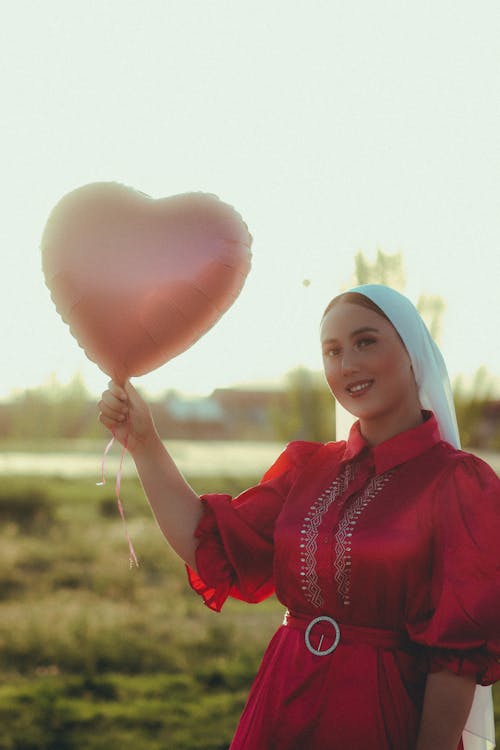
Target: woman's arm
{"x": 447, "y": 702}
{"x": 177, "y": 508}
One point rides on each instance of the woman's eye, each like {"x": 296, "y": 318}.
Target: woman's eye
{"x": 333, "y": 352}
{"x": 363, "y": 343}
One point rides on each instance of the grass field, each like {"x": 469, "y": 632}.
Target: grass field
{"x": 97, "y": 656}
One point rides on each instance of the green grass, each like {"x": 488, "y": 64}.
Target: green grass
{"x": 94, "y": 654}
{"x": 116, "y": 711}
{"x": 97, "y": 656}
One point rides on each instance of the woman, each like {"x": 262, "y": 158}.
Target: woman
{"x": 384, "y": 548}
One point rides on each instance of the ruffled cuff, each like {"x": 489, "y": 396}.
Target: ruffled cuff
{"x": 234, "y": 558}
{"x": 482, "y": 666}
{"x": 214, "y": 578}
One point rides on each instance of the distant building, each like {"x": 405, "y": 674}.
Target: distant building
{"x": 228, "y": 413}
{"x": 248, "y": 413}
{"x": 185, "y": 417}
{"x": 200, "y": 409}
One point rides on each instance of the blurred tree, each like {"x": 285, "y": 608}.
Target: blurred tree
{"x": 470, "y": 405}
{"x": 52, "y": 410}
{"x": 431, "y": 307}
{"x": 389, "y": 269}
{"x": 71, "y": 408}
{"x": 310, "y": 410}
{"x": 385, "y": 269}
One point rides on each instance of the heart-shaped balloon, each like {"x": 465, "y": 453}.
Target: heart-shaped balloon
{"x": 139, "y": 280}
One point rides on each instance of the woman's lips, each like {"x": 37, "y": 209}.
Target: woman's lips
{"x": 359, "y": 388}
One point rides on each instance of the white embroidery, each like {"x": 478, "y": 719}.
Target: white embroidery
{"x": 343, "y": 537}
{"x": 309, "y": 535}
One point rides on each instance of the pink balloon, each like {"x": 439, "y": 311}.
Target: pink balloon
{"x": 140, "y": 280}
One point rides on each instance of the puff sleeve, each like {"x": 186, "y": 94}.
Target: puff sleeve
{"x": 235, "y": 553}
{"x": 462, "y": 629}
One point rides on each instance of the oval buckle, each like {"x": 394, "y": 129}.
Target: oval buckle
{"x": 309, "y": 645}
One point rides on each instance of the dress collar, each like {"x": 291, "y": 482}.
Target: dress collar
{"x": 397, "y": 449}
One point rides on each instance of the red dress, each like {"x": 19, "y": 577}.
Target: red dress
{"x": 399, "y": 545}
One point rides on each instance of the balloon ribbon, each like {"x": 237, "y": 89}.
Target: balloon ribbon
{"x": 132, "y": 556}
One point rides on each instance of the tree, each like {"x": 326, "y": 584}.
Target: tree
{"x": 52, "y": 410}
{"x": 389, "y": 270}
{"x": 385, "y": 269}
{"x": 470, "y": 404}
{"x": 310, "y": 410}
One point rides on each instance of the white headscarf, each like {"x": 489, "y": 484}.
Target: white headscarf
{"x": 435, "y": 394}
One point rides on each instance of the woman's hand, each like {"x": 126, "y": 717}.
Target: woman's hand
{"x": 176, "y": 505}
{"x": 127, "y": 416}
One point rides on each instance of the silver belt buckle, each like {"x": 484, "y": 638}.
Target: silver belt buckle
{"x": 309, "y": 645}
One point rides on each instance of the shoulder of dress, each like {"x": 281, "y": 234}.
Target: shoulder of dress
{"x": 299, "y": 451}
{"x": 459, "y": 466}
{"x": 304, "y": 445}
{"x": 309, "y": 447}
{"x": 294, "y": 456}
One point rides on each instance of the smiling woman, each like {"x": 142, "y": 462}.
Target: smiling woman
{"x": 368, "y": 369}
{"x": 374, "y": 545}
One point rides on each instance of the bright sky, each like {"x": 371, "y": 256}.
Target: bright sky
{"x": 331, "y": 126}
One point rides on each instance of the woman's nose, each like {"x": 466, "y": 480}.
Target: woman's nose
{"x": 349, "y": 363}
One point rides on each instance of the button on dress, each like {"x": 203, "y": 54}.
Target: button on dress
{"x": 399, "y": 544}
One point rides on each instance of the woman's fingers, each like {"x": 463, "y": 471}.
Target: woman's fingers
{"x": 117, "y": 391}
{"x": 106, "y": 421}
{"x": 113, "y": 407}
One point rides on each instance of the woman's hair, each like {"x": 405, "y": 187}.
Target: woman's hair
{"x": 355, "y": 298}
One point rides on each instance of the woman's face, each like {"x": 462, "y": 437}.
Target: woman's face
{"x": 366, "y": 365}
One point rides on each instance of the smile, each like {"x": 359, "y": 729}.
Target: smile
{"x": 358, "y": 389}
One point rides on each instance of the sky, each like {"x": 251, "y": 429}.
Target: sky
{"x": 332, "y": 127}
